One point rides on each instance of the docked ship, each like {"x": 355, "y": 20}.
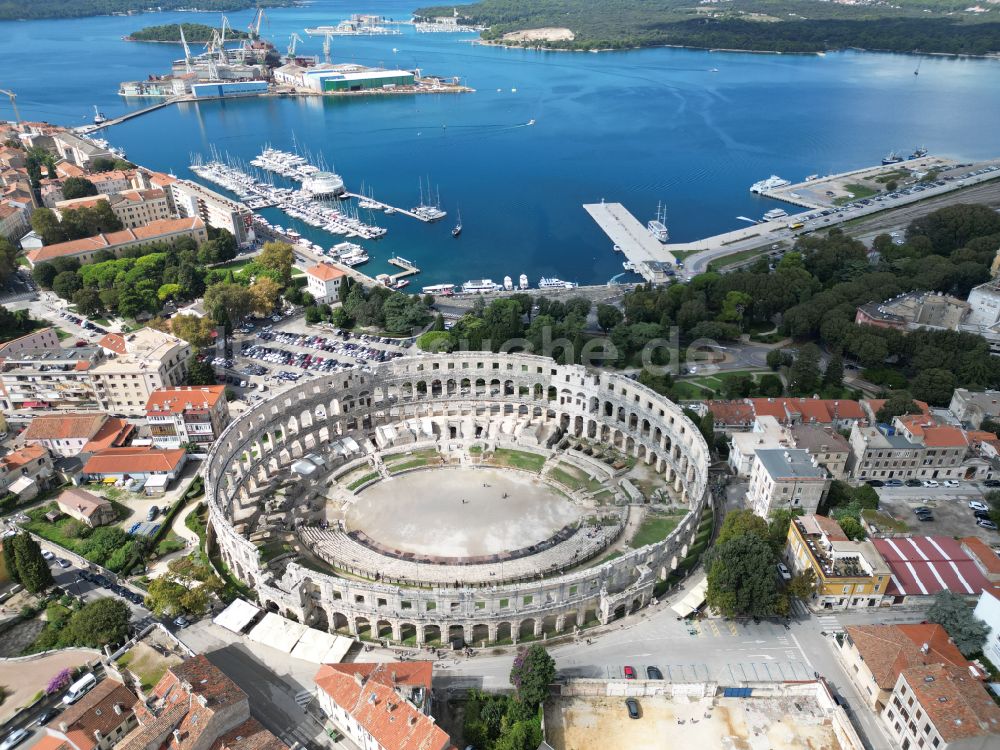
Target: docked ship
{"x": 439, "y": 290}
{"x": 775, "y": 213}
{"x": 430, "y": 211}
{"x": 354, "y": 27}
{"x": 479, "y": 286}
{"x": 658, "y": 226}
{"x": 771, "y": 183}
{"x": 892, "y": 158}
{"x": 350, "y": 254}
{"x": 508, "y": 283}
{"x": 99, "y": 118}
{"x": 919, "y": 153}
{"x": 522, "y": 282}
{"x": 554, "y": 283}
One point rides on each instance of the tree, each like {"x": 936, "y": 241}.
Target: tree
{"x": 741, "y": 579}
{"x": 897, "y": 404}
{"x": 168, "y": 292}
{"x": 770, "y": 386}
{"x": 852, "y": 528}
{"x": 228, "y": 303}
{"x": 199, "y": 373}
{"x": 803, "y": 375}
{"x": 46, "y": 224}
{"x": 934, "y": 386}
{"x": 340, "y": 318}
{"x": 608, "y": 316}
{"x": 196, "y": 331}
{"x": 264, "y": 294}
{"x": 532, "y": 673}
{"x": 78, "y": 187}
{"x": 87, "y": 301}
{"x": 277, "y": 257}
{"x": 739, "y": 523}
{"x": 952, "y": 613}
{"x": 833, "y": 376}
{"x": 313, "y": 315}
{"x": 32, "y": 569}
{"x": 163, "y": 596}
{"x": 10, "y": 559}
{"x": 803, "y": 585}
{"x": 776, "y": 359}
{"x": 66, "y": 284}
{"x": 521, "y": 735}
{"x": 99, "y": 623}
{"x": 8, "y": 259}
{"x": 436, "y": 342}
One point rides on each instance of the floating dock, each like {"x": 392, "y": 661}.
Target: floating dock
{"x": 409, "y": 268}
{"x": 382, "y": 206}
{"x": 650, "y": 258}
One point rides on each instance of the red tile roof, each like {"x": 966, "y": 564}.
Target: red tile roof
{"x": 113, "y": 341}
{"x": 114, "y": 434}
{"x": 955, "y": 702}
{"x": 733, "y": 413}
{"x": 925, "y": 565}
{"x": 324, "y": 272}
{"x": 137, "y": 460}
{"x": 96, "y": 712}
{"x": 807, "y": 410}
{"x": 83, "y": 502}
{"x": 366, "y": 692}
{"x": 67, "y": 426}
{"x": 188, "y": 398}
{"x": 23, "y": 457}
{"x": 151, "y": 231}
{"x": 250, "y": 735}
{"x": 982, "y": 553}
{"x": 889, "y": 649}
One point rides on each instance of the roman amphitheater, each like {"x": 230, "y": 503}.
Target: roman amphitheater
{"x": 470, "y": 497}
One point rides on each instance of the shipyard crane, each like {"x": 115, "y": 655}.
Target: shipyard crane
{"x": 254, "y": 27}
{"x": 13, "y": 103}
{"x": 187, "y": 50}
{"x": 326, "y": 47}
{"x": 292, "y": 41}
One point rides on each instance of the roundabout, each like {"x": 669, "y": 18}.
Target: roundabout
{"x": 470, "y": 497}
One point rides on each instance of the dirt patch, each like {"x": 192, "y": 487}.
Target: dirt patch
{"x": 25, "y": 679}
{"x": 550, "y": 34}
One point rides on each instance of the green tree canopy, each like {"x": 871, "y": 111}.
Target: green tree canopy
{"x": 952, "y": 613}
{"x": 741, "y": 579}
{"x": 532, "y": 673}
{"x": 32, "y": 569}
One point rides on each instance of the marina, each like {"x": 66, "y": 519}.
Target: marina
{"x": 409, "y": 268}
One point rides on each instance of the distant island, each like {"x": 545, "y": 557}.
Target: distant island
{"x": 16, "y": 10}
{"x": 193, "y": 32}
{"x": 791, "y": 26}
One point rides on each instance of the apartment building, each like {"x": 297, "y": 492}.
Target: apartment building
{"x": 166, "y": 231}
{"x": 785, "y": 478}
{"x": 138, "y": 463}
{"x": 189, "y": 414}
{"x": 828, "y": 447}
{"x": 26, "y": 471}
{"x": 14, "y": 221}
{"x": 765, "y": 434}
{"x": 49, "y": 379}
{"x": 848, "y": 574}
{"x": 874, "y": 655}
{"x": 384, "y": 706}
{"x": 134, "y": 208}
{"x": 86, "y": 507}
{"x": 941, "y": 707}
{"x": 43, "y": 338}
{"x": 913, "y": 447}
{"x": 138, "y": 364}
{"x": 190, "y": 199}
{"x": 972, "y": 407}
{"x": 988, "y": 610}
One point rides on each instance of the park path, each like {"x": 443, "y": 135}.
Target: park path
{"x": 190, "y": 538}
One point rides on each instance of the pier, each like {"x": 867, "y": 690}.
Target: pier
{"x": 129, "y": 115}
{"x": 409, "y": 268}
{"x": 382, "y": 206}
{"x": 651, "y": 259}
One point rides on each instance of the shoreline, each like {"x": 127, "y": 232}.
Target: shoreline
{"x": 817, "y": 53}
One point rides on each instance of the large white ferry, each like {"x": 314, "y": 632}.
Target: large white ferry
{"x": 439, "y": 290}
{"x": 775, "y": 213}
{"x": 554, "y": 283}
{"x": 658, "y": 226}
{"x": 479, "y": 286}
{"x": 771, "y": 183}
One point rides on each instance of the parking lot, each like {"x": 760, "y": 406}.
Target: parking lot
{"x": 949, "y": 508}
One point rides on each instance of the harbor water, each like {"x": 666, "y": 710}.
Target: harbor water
{"x": 690, "y": 128}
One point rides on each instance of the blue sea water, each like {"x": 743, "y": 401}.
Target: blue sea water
{"x": 636, "y": 127}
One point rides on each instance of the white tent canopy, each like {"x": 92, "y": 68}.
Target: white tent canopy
{"x": 237, "y": 615}
{"x": 693, "y": 599}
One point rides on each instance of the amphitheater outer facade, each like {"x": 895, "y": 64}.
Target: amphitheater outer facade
{"x": 256, "y": 451}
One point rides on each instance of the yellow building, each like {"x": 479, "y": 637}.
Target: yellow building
{"x": 848, "y": 574}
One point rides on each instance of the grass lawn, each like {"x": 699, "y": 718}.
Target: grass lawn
{"x": 146, "y": 664}
{"x": 712, "y": 384}
{"x": 574, "y": 478}
{"x": 170, "y": 543}
{"x": 400, "y": 466}
{"x": 63, "y": 335}
{"x": 655, "y": 529}
{"x": 688, "y": 391}
{"x": 363, "y": 480}
{"x": 741, "y": 256}
{"x": 518, "y": 459}
{"x": 60, "y": 532}
{"x": 426, "y": 455}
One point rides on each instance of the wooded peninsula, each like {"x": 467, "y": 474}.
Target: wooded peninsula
{"x": 193, "y": 32}
{"x": 795, "y": 26}
{"x": 20, "y": 10}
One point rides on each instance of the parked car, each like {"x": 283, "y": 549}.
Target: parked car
{"x": 786, "y": 575}
{"x": 925, "y": 517}
{"x": 931, "y": 483}
{"x": 48, "y": 556}
{"x": 981, "y": 514}
{"x": 991, "y": 483}
{"x": 18, "y": 736}
{"x": 923, "y": 509}
{"x": 986, "y": 524}
{"x": 63, "y": 563}
{"x": 633, "y": 708}
{"x": 46, "y": 716}
{"x": 152, "y": 513}
{"x": 950, "y": 483}
{"x": 978, "y": 505}
{"x": 894, "y": 483}
{"x": 183, "y": 622}
{"x": 913, "y": 483}
{"x": 629, "y": 673}
{"x": 653, "y": 673}
{"x": 875, "y": 483}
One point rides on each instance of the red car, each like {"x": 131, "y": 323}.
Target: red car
{"x": 629, "y": 673}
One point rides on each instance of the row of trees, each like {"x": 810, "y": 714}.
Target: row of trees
{"x": 23, "y": 559}
{"x": 75, "y": 223}
{"x": 96, "y": 624}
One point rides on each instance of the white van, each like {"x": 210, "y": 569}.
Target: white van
{"x": 79, "y": 689}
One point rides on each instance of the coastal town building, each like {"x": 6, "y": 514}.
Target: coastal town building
{"x": 25, "y": 471}
{"x": 874, "y": 655}
{"x": 43, "y": 338}
{"x": 942, "y": 707}
{"x": 67, "y": 435}
{"x": 785, "y": 478}
{"x": 385, "y": 706}
{"x": 99, "y": 720}
{"x": 914, "y": 310}
{"x": 14, "y": 220}
{"x": 189, "y": 199}
{"x": 921, "y": 566}
{"x": 972, "y": 407}
{"x": 49, "y": 379}
{"x": 986, "y": 558}
{"x": 323, "y": 282}
{"x": 828, "y": 447}
{"x": 134, "y": 462}
{"x": 838, "y": 414}
{"x": 136, "y": 365}
{"x": 165, "y": 231}
{"x": 765, "y": 433}
{"x": 87, "y": 507}
{"x": 848, "y": 574}
{"x": 189, "y": 414}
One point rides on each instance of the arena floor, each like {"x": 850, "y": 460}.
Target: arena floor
{"x": 458, "y": 512}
